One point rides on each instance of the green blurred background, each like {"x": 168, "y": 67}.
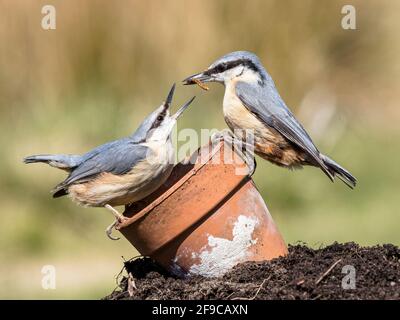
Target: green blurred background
{"x": 109, "y": 63}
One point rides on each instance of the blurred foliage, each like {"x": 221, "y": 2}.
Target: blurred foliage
{"x": 108, "y": 64}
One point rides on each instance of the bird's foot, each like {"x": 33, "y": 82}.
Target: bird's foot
{"x": 250, "y": 161}
{"x": 224, "y": 134}
{"x": 242, "y": 148}
{"x": 119, "y": 218}
{"x": 109, "y": 230}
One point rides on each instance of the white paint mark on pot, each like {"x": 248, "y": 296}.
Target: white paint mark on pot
{"x": 220, "y": 255}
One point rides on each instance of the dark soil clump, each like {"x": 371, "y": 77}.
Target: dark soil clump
{"x": 303, "y": 274}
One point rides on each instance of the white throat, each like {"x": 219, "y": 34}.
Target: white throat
{"x": 242, "y": 74}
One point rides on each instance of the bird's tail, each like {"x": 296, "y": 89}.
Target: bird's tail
{"x": 60, "y": 161}
{"x": 338, "y": 171}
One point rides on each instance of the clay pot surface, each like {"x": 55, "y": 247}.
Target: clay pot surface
{"x": 205, "y": 219}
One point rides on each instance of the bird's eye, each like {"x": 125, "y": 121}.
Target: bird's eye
{"x": 221, "y": 68}
{"x": 160, "y": 118}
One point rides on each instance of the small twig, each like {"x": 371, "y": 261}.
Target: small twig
{"x": 300, "y": 282}
{"x": 118, "y": 275}
{"x": 159, "y": 291}
{"x": 131, "y": 285}
{"x": 229, "y": 295}
{"x": 119, "y": 295}
{"x": 124, "y": 267}
{"x": 133, "y": 258}
{"x": 257, "y": 292}
{"x": 327, "y": 272}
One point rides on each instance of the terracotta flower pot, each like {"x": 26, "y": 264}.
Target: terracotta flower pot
{"x": 205, "y": 219}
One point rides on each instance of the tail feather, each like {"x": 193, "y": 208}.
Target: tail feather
{"x": 59, "y": 192}
{"x": 60, "y": 161}
{"x": 340, "y": 172}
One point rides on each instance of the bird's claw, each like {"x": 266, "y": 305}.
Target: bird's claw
{"x": 119, "y": 218}
{"x": 115, "y": 225}
{"x": 250, "y": 161}
{"x": 110, "y": 229}
{"x": 225, "y": 134}
{"x": 228, "y": 137}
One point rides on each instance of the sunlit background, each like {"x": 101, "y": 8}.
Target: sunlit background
{"x": 109, "y": 63}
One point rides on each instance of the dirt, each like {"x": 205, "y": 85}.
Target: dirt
{"x": 303, "y": 274}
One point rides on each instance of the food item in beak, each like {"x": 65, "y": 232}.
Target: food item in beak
{"x": 201, "y": 85}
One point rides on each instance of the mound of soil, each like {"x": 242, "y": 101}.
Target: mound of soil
{"x": 303, "y": 274}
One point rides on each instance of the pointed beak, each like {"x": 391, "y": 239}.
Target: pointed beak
{"x": 202, "y": 77}
{"x": 182, "y": 109}
{"x": 168, "y": 101}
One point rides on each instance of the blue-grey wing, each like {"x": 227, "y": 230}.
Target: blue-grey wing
{"x": 266, "y": 104}
{"x": 118, "y": 158}
{"x": 102, "y": 148}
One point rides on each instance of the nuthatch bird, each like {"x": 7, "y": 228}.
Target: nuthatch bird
{"x": 252, "y": 103}
{"x": 122, "y": 171}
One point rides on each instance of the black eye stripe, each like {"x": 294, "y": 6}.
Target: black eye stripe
{"x": 162, "y": 114}
{"x": 230, "y": 65}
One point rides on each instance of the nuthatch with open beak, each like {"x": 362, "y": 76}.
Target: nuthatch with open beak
{"x": 252, "y": 103}
{"x": 122, "y": 171}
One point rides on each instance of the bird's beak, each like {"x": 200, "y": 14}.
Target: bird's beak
{"x": 201, "y": 77}
{"x": 168, "y": 101}
{"x": 182, "y": 109}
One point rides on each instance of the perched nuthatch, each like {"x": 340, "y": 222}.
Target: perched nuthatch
{"x": 122, "y": 171}
{"x": 252, "y": 102}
